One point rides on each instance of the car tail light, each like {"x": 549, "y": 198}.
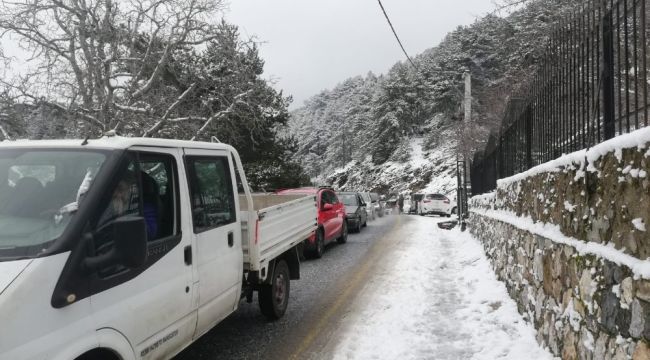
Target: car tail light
{"x": 446, "y": 201}
{"x": 426, "y": 201}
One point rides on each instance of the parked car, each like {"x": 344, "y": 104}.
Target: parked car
{"x": 355, "y": 209}
{"x": 369, "y": 208}
{"x": 415, "y": 202}
{"x": 133, "y": 248}
{"x": 377, "y": 204}
{"x": 332, "y": 223}
{"x": 436, "y": 204}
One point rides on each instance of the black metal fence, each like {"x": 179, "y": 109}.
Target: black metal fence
{"x": 591, "y": 86}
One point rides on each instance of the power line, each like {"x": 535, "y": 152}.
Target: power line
{"x": 395, "y": 33}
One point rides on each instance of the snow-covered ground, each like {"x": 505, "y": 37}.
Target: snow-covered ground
{"x": 439, "y": 299}
{"x": 430, "y": 171}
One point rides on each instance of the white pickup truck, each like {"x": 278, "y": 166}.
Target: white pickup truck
{"x": 130, "y": 248}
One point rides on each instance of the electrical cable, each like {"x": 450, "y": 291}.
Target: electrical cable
{"x": 395, "y": 33}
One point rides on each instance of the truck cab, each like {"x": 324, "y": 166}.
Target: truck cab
{"x": 126, "y": 248}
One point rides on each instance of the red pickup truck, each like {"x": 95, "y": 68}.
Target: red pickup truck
{"x": 331, "y": 219}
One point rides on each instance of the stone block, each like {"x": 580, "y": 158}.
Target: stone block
{"x": 610, "y": 306}
{"x": 612, "y": 273}
{"x": 547, "y": 273}
{"x": 643, "y": 290}
{"x": 641, "y": 351}
{"x": 585, "y": 345}
{"x": 600, "y": 349}
{"x": 558, "y": 264}
{"x": 627, "y": 291}
{"x": 640, "y": 320}
{"x": 619, "y": 354}
{"x": 569, "y": 351}
{"x": 538, "y": 267}
{"x": 587, "y": 286}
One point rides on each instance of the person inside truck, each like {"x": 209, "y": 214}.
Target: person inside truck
{"x": 124, "y": 201}
{"x": 151, "y": 205}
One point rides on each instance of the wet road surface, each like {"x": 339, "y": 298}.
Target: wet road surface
{"x": 317, "y": 303}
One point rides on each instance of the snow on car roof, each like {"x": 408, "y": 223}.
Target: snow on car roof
{"x": 113, "y": 142}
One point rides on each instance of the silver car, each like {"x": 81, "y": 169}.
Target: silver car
{"x": 377, "y": 204}
{"x": 369, "y": 209}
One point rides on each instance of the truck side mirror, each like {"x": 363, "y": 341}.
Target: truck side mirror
{"x": 129, "y": 236}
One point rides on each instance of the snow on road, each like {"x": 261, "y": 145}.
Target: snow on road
{"x": 439, "y": 299}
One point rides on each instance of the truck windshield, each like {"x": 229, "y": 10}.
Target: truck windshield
{"x": 40, "y": 190}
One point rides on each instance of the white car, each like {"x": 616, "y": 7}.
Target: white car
{"x": 436, "y": 204}
{"x": 127, "y": 248}
{"x": 370, "y": 209}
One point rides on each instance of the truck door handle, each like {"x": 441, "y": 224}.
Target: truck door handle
{"x": 188, "y": 255}
{"x": 231, "y": 239}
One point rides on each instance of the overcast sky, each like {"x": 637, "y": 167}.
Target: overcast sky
{"x": 311, "y": 45}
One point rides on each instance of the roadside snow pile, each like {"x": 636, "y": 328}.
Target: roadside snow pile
{"x": 425, "y": 171}
{"x": 439, "y": 300}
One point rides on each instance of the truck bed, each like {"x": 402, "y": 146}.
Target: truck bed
{"x": 274, "y": 225}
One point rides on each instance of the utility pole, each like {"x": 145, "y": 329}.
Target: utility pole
{"x": 461, "y": 165}
{"x": 468, "y": 97}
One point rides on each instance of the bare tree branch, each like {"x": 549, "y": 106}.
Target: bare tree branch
{"x": 171, "y": 108}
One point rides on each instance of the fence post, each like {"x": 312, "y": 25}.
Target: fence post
{"x": 529, "y": 137}
{"x": 609, "y": 125}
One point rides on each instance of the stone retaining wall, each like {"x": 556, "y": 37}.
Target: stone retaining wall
{"x": 584, "y": 306}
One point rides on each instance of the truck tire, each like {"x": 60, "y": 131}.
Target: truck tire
{"x": 319, "y": 246}
{"x": 344, "y": 234}
{"x": 274, "y": 298}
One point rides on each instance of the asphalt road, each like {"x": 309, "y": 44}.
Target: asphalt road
{"x": 318, "y": 301}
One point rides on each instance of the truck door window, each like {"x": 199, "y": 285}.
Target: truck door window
{"x": 125, "y": 197}
{"x": 211, "y": 191}
{"x": 149, "y": 178}
{"x": 146, "y": 187}
{"x": 159, "y": 194}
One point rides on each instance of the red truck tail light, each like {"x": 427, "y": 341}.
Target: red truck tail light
{"x": 257, "y": 231}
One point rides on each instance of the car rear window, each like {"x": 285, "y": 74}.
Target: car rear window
{"x": 436, "y": 197}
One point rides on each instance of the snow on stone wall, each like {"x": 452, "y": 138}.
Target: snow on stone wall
{"x": 569, "y": 240}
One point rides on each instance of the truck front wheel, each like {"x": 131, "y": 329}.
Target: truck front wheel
{"x": 274, "y": 298}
